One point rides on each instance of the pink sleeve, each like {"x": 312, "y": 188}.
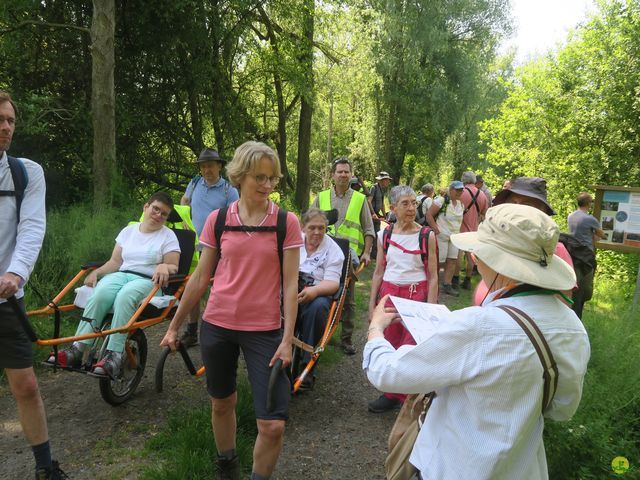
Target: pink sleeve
{"x": 208, "y": 236}
{"x": 563, "y": 253}
{"x": 293, "y": 239}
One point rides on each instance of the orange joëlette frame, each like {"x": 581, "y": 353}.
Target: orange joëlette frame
{"x": 329, "y": 329}
{"x": 132, "y": 324}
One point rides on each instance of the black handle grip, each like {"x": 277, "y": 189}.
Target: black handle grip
{"x": 271, "y": 393}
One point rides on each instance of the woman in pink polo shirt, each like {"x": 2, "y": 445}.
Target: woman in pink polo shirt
{"x": 244, "y": 308}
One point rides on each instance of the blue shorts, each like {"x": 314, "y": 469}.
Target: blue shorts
{"x": 220, "y": 348}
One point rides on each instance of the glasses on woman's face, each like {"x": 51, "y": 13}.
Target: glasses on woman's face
{"x": 261, "y": 179}
{"x": 158, "y": 211}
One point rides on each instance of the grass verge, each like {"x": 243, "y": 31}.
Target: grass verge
{"x": 186, "y": 448}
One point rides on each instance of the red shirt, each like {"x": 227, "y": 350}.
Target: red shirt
{"x": 471, "y": 219}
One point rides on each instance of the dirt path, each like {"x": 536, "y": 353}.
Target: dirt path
{"x": 330, "y": 435}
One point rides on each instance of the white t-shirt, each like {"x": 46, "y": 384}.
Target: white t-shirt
{"x": 325, "y": 263}
{"x": 449, "y": 222}
{"x": 142, "y": 252}
{"x": 403, "y": 268}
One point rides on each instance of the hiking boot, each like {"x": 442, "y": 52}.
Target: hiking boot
{"x": 455, "y": 281}
{"x": 110, "y": 365}
{"x": 466, "y": 283}
{"x": 383, "y": 404}
{"x": 348, "y": 348}
{"x": 228, "y": 469}
{"x": 308, "y": 383}
{"x": 70, "y": 357}
{"x": 52, "y": 473}
{"x": 189, "y": 339}
{"x": 449, "y": 290}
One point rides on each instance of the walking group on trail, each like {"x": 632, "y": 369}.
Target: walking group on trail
{"x": 275, "y": 277}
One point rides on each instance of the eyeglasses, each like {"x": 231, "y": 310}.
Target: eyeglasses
{"x": 262, "y": 179}
{"x": 158, "y": 211}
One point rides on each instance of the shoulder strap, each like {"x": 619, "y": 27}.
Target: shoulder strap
{"x": 20, "y": 181}
{"x": 423, "y": 242}
{"x": 280, "y": 229}
{"x": 386, "y": 236}
{"x": 218, "y": 228}
{"x": 474, "y": 200}
{"x": 549, "y": 365}
{"x": 281, "y": 233}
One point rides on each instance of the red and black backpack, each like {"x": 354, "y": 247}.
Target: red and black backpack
{"x": 423, "y": 242}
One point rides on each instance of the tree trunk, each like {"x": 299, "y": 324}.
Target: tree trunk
{"x": 330, "y": 131}
{"x": 306, "y": 108}
{"x": 103, "y": 99}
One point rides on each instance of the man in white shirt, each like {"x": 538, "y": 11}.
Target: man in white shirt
{"x": 22, "y": 223}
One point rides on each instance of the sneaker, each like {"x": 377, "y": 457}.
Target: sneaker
{"x": 70, "y": 357}
{"x": 449, "y": 290}
{"x": 466, "y": 283}
{"x": 189, "y": 339}
{"x": 110, "y": 365}
{"x": 228, "y": 469}
{"x": 383, "y": 404}
{"x": 52, "y": 473}
{"x": 348, "y": 348}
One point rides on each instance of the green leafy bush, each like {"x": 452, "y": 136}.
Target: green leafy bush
{"x": 607, "y": 422}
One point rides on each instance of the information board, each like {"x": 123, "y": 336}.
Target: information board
{"x": 618, "y": 210}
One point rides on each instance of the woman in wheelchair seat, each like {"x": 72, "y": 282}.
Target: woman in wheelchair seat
{"x": 146, "y": 253}
{"x": 321, "y": 262}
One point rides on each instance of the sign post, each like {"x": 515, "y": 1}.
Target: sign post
{"x": 618, "y": 209}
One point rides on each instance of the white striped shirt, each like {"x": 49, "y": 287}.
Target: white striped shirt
{"x": 486, "y": 421}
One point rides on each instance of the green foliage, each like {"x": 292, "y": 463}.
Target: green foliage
{"x": 607, "y": 422}
{"x": 572, "y": 117}
{"x": 186, "y": 448}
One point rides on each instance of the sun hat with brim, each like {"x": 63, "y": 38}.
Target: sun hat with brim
{"x": 383, "y": 176}
{"x": 209, "y": 155}
{"x": 534, "y": 187}
{"x": 518, "y": 242}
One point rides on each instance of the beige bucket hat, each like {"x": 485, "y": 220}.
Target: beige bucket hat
{"x": 518, "y": 242}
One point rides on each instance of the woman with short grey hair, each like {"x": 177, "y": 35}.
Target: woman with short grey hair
{"x": 407, "y": 267}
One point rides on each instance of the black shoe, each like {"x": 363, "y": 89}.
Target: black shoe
{"x": 308, "y": 383}
{"x": 449, "y": 290}
{"x": 348, "y": 348}
{"x": 383, "y": 404}
{"x": 189, "y": 339}
{"x": 466, "y": 283}
{"x": 455, "y": 281}
{"x": 228, "y": 469}
{"x": 52, "y": 473}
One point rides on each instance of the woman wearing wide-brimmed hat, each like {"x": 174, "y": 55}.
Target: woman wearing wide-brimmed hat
{"x": 486, "y": 419}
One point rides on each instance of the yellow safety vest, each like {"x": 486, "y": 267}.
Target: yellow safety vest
{"x": 350, "y": 229}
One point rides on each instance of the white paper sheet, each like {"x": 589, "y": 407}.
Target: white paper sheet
{"x": 420, "y": 318}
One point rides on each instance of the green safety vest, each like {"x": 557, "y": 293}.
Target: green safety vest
{"x": 186, "y": 224}
{"x": 350, "y": 229}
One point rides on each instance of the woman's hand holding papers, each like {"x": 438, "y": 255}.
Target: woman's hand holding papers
{"x": 381, "y": 318}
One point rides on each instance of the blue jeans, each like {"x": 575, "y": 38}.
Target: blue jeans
{"x": 312, "y": 318}
{"x": 123, "y": 292}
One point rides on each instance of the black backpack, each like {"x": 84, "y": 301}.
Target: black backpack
{"x": 20, "y": 182}
{"x": 280, "y": 228}
{"x": 420, "y": 218}
{"x": 581, "y": 255}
